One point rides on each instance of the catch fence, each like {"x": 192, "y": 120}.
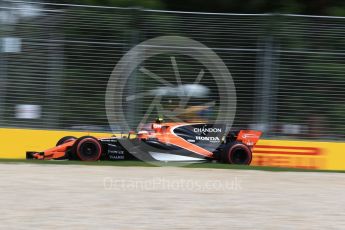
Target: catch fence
{"x": 56, "y": 61}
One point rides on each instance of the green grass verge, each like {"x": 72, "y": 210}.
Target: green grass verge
{"x": 145, "y": 164}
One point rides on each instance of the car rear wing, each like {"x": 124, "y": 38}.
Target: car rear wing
{"x": 249, "y": 137}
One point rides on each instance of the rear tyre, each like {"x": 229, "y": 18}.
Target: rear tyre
{"x": 87, "y": 148}
{"x": 236, "y": 153}
{"x": 65, "y": 140}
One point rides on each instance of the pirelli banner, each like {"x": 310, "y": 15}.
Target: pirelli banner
{"x": 275, "y": 153}
{"x": 300, "y": 154}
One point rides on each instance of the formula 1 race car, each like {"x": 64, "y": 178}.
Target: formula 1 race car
{"x": 160, "y": 141}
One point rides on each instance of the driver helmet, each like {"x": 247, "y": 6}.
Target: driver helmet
{"x": 159, "y": 119}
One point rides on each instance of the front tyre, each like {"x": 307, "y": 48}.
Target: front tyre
{"x": 236, "y": 153}
{"x": 65, "y": 140}
{"x": 87, "y": 148}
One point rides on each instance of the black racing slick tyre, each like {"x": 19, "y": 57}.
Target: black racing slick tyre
{"x": 237, "y": 153}
{"x": 87, "y": 148}
{"x": 65, "y": 140}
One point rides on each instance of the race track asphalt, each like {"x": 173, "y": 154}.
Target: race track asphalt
{"x": 48, "y": 196}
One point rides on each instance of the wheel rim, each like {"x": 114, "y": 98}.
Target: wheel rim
{"x": 89, "y": 150}
{"x": 239, "y": 156}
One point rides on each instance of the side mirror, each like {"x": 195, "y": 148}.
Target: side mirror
{"x": 130, "y": 133}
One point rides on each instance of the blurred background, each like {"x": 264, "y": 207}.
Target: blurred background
{"x": 287, "y": 60}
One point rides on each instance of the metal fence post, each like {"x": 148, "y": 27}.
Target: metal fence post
{"x": 266, "y": 82}
{"x": 55, "y": 76}
{"x": 133, "y": 79}
{"x": 3, "y": 81}
{"x": 3, "y": 68}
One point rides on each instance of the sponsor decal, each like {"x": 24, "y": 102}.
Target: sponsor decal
{"x": 288, "y": 156}
{"x": 116, "y": 154}
{"x": 210, "y": 139}
{"x": 249, "y": 135}
{"x": 156, "y": 126}
{"x": 205, "y": 130}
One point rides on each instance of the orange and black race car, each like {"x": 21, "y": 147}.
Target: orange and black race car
{"x": 160, "y": 141}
